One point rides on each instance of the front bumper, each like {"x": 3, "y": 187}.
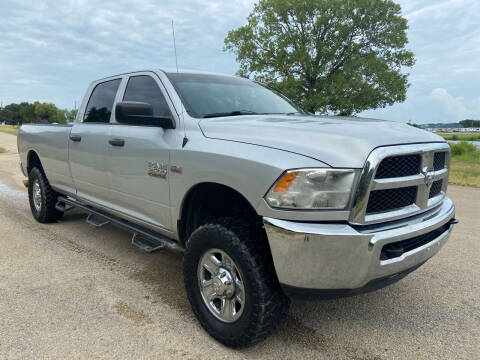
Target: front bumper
{"x": 340, "y": 258}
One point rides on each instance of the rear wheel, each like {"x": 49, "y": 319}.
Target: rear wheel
{"x": 42, "y": 197}
{"x": 231, "y": 284}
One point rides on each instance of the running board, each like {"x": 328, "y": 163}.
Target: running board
{"x": 90, "y": 222}
{"x": 141, "y": 238}
{"x": 145, "y": 244}
{"x": 62, "y": 207}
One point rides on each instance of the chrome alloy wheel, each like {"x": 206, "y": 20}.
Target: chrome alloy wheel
{"x": 221, "y": 285}
{"x": 37, "y": 195}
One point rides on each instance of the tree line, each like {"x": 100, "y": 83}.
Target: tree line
{"x": 467, "y": 123}
{"x": 37, "y": 112}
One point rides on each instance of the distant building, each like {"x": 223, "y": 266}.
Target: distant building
{"x": 451, "y": 130}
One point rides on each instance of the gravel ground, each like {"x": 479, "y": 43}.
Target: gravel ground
{"x": 71, "y": 291}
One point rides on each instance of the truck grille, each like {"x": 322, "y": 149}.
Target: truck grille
{"x": 384, "y": 200}
{"x": 398, "y": 166}
{"x": 399, "y": 181}
{"x": 439, "y": 160}
{"x": 435, "y": 189}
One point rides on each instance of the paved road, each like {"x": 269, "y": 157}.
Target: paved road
{"x": 70, "y": 291}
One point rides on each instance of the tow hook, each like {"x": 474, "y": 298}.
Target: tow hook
{"x": 453, "y": 221}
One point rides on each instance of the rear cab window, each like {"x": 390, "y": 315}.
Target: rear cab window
{"x": 100, "y": 104}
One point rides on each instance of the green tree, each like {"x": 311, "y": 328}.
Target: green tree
{"x": 61, "y": 116}
{"x": 17, "y": 114}
{"x": 27, "y": 112}
{"x": 46, "y": 112}
{"x": 470, "y": 123}
{"x": 70, "y": 115}
{"x": 10, "y": 114}
{"x": 337, "y": 56}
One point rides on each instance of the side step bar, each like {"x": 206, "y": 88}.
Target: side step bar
{"x": 153, "y": 241}
{"x": 89, "y": 221}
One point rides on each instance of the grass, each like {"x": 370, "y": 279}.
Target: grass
{"x": 2, "y": 150}
{"x": 9, "y": 129}
{"x": 465, "y": 164}
{"x": 461, "y": 136}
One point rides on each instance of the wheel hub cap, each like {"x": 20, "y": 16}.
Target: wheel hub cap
{"x": 37, "y": 195}
{"x": 221, "y": 285}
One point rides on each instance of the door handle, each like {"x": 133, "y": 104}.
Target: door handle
{"x": 116, "y": 142}
{"x": 75, "y": 137}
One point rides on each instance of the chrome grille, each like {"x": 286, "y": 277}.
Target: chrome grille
{"x": 435, "y": 189}
{"x": 399, "y": 181}
{"x": 384, "y": 200}
{"x": 439, "y": 160}
{"x": 397, "y": 166}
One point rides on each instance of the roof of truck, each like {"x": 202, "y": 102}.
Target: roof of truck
{"x": 167, "y": 71}
{"x": 186, "y": 71}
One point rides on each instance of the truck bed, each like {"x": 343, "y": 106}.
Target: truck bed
{"x": 51, "y": 141}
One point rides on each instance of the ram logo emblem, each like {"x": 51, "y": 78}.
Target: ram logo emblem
{"x": 157, "y": 170}
{"x": 428, "y": 178}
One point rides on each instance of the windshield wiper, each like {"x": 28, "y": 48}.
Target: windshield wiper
{"x": 231, "y": 113}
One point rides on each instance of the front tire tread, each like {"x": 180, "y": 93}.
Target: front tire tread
{"x": 249, "y": 243}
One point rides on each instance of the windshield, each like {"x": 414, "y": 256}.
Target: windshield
{"x": 216, "y": 95}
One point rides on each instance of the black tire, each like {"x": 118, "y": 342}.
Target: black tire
{"x": 265, "y": 303}
{"x": 46, "y": 212}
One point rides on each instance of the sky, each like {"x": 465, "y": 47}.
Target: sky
{"x": 51, "y": 50}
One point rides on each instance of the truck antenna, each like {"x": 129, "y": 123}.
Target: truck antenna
{"x": 174, "y": 46}
{"x": 185, "y": 139}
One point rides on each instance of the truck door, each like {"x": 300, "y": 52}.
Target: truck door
{"x": 88, "y": 144}
{"x": 139, "y": 158}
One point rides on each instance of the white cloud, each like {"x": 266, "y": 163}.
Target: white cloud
{"x": 58, "y": 47}
{"x": 455, "y": 106}
{"x": 67, "y": 44}
{"x": 25, "y": 81}
{"x": 445, "y": 38}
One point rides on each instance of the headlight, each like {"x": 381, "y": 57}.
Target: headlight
{"x": 312, "y": 189}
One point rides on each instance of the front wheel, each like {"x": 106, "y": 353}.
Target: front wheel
{"x": 231, "y": 284}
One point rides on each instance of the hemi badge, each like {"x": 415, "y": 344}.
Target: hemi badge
{"x": 176, "y": 169}
{"x": 157, "y": 170}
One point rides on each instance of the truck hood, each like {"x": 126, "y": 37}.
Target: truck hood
{"x": 335, "y": 141}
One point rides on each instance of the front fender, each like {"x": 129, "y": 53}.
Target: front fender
{"x": 248, "y": 169}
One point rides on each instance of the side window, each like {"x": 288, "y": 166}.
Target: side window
{"x": 143, "y": 88}
{"x": 99, "y": 107}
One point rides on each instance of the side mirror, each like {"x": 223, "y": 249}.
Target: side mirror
{"x": 140, "y": 113}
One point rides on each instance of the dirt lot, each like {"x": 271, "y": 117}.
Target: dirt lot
{"x": 70, "y": 291}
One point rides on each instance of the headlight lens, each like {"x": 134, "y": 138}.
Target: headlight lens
{"x": 312, "y": 189}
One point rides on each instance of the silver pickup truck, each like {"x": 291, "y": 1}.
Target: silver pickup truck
{"x": 266, "y": 201}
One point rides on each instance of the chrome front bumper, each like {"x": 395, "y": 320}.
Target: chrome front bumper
{"x": 333, "y": 256}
